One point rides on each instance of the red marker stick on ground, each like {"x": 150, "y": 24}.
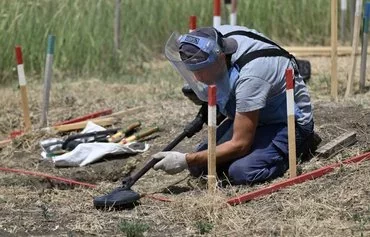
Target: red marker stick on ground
{"x": 86, "y": 117}
{"x": 296, "y": 180}
{"x": 64, "y": 180}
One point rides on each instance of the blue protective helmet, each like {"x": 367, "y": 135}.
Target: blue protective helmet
{"x": 202, "y": 47}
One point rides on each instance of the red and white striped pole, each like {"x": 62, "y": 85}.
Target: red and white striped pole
{"x": 291, "y": 122}
{"x": 233, "y": 12}
{"x": 23, "y": 88}
{"x": 192, "y": 23}
{"x": 192, "y": 27}
{"x": 216, "y": 13}
{"x": 212, "y": 181}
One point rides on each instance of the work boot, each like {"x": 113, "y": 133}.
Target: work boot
{"x": 316, "y": 141}
{"x": 310, "y": 147}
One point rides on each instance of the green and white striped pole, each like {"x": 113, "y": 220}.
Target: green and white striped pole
{"x": 47, "y": 80}
{"x": 364, "y": 46}
{"x": 343, "y": 11}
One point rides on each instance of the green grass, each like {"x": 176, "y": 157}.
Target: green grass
{"x": 133, "y": 228}
{"x": 84, "y": 30}
{"x": 203, "y": 227}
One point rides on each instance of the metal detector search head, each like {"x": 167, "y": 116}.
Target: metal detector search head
{"x": 123, "y": 196}
{"x": 119, "y": 197}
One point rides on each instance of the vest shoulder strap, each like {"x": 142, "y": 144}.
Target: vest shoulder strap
{"x": 248, "y": 57}
{"x": 253, "y": 36}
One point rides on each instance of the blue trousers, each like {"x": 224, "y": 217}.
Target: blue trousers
{"x": 268, "y": 157}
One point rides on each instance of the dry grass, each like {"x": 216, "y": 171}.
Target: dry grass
{"x": 337, "y": 205}
{"x": 334, "y": 205}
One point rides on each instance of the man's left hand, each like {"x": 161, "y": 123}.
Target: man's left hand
{"x": 171, "y": 162}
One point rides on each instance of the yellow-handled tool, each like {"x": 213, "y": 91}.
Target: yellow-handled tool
{"x": 122, "y": 133}
{"x": 139, "y": 135}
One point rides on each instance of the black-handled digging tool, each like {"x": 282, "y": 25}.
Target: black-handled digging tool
{"x": 56, "y": 146}
{"x": 98, "y": 136}
{"x": 124, "y": 197}
{"x": 71, "y": 141}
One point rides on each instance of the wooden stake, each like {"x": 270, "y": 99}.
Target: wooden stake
{"x": 321, "y": 50}
{"x": 364, "y": 46}
{"x": 345, "y": 140}
{"x": 117, "y": 26}
{"x": 81, "y": 125}
{"x": 23, "y": 88}
{"x": 356, "y": 33}
{"x": 291, "y": 122}
{"x": 352, "y": 9}
{"x": 102, "y": 121}
{"x": 334, "y": 54}
{"x": 212, "y": 181}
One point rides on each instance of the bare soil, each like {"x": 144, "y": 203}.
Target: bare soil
{"x": 337, "y": 204}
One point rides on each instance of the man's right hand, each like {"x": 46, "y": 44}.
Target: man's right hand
{"x": 172, "y": 162}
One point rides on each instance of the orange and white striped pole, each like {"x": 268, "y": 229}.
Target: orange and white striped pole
{"x": 192, "y": 23}
{"x": 23, "y": 88}
{"x": 192, "y": 27}
{"x": 233, "y": 12}
{"x": 212, "y": 117}
{"x": 216, "y": 13}
{"x": 291, "y": 122}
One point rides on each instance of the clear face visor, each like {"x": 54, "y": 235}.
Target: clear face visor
{"x": 204, "y": 67}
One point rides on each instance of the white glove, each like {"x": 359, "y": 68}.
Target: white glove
{"x": 172, "y": 162}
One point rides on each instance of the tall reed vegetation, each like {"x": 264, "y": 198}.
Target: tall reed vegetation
{"x": 84, "y": 29}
